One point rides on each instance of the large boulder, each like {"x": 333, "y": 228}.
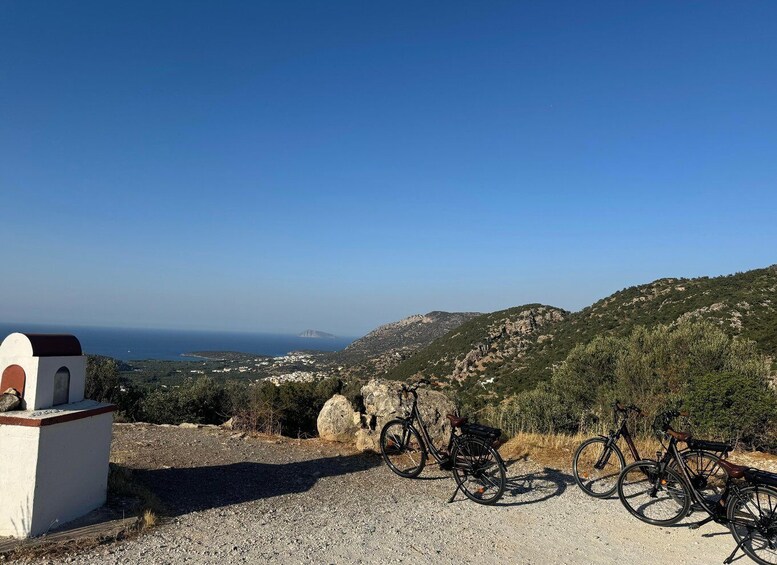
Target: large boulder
{"x": 338, "y": 421}
{"x": 383, "y": 402}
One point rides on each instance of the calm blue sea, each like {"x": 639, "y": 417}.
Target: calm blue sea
{"x": 129, "y": 344}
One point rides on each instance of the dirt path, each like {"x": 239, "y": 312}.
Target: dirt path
{"x": 250, "y": 500}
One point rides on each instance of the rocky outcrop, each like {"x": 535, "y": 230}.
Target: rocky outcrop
{"x": 338, "y": 421}
{"x": 390, "y": 344}
{"x": 382, "y": 402}
{"x": 507, "y": 338}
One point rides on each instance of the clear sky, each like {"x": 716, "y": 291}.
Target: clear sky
{"x": 337, "y": 165}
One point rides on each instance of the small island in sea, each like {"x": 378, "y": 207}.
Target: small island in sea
{"x": 316, "y": 334}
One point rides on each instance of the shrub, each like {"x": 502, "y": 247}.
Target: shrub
{"x": 732, "y": 406}
{"x": 693, "y": 362}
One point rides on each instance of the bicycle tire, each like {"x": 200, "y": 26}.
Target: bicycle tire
{"x": 657, "y": 499}
{"x": 478, "y": 470}
{"x": 754, "y": 511}
{"x": 402, "y": 449}
{"x": 592, "y": 480}
{"x": 707, "y": 476}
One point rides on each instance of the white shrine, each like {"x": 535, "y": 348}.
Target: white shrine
{"x": 55, "y": 450}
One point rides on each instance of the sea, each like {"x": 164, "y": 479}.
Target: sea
{"x": 130, "y": 344}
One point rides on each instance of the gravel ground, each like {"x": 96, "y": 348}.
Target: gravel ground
{"x": 255, "y": 500}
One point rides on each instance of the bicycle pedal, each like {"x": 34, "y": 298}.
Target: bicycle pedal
{"x": 446, "y": 465}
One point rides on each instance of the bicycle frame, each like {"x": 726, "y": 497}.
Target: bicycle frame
{"x": 415, "y": 414}
{"x": 612, "y": 440}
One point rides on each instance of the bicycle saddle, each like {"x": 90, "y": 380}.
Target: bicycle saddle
{"x": 734, "y": 471}
{"x": 456, "y": 422}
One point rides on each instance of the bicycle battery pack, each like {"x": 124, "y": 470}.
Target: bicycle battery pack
{"x": 481, "y": 431}
{"x": 762, "y": 477}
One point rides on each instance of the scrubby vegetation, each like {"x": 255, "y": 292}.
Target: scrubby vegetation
{"x": 742, "y": 304}
{"x": 289, "y": 409}
{"x": 695, "y": 365}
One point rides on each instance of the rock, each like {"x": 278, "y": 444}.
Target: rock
{"x": 367, "y": 440}
{"x": 229, "y": 424}
{"x": 338, "y": 421}
{"x": 382, "y": 403}
{"x": 10, "y": 400}
{"x": 190, "y": 426}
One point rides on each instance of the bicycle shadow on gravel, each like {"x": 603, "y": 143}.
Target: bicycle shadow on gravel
{"x": 193, "y": 489}
{"x": 534, "y": 487}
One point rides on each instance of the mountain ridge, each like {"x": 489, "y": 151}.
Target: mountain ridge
{"x": 743, "y": 304}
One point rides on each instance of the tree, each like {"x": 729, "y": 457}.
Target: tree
{"x": 102, "y": 378}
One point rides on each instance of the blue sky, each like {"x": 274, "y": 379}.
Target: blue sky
{"x": 337, "y": 165}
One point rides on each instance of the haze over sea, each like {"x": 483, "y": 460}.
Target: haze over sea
{"x": 139, "y": 343}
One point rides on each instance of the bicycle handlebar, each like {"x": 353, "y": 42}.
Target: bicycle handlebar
{"x": 663, "y": 422}
{"x": 412, "y": 388}
{"x": 618, "y": 408}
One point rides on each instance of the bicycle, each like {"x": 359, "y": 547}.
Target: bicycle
{"x": 598, "y": 462}
{"x": 476, "y": 466}
{"x": 748, "y": 507}
{"x": 593, "y": 467}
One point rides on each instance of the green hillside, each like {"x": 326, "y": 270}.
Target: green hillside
{"x": 742, "y": 304}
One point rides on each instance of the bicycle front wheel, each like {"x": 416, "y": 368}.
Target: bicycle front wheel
{"x": 752, "y": 517}
{"x": 658, "y": 498}
{"x": 478, "y": 470}
{"x": 596, "y": 467}
{"x": 402, "y": 448}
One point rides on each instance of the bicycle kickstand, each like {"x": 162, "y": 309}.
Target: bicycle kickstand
{"x": 455, "y": 492}
{"x": 697, "y": 525}
{"x": 742, "y": 542}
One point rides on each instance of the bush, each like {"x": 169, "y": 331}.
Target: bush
{"x": 102, "y": 378}
{"x": 693, "y": 362}
{"x": 291, "y": 408}
{"x": 732, "y": 406}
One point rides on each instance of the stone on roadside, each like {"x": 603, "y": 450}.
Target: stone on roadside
{"x": 338, "y": 421}
{"x": 189, "y": 426}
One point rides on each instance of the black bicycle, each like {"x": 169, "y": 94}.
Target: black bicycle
{"x": 470, "y": 455}
{"x": 660, "y": 493}
{"x": 598, "y": 462}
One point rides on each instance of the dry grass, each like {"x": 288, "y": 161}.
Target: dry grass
{"x": 148, "y": 520}
{"x": 556, "y": 450}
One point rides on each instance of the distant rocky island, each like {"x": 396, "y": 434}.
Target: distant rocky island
{"x": 316, "y": 334}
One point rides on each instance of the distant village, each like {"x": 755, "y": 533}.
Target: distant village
{"x": 296, "y": 366}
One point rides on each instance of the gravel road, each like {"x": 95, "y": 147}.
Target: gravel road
{"x": 253, "y": 500}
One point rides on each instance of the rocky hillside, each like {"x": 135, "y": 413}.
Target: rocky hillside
{"x": 518, "y": 347}
{"x": 390, "y": 344}
{"x": 486, "y": 349}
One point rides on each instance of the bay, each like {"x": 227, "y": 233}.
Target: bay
{"x": 130, "y": 344}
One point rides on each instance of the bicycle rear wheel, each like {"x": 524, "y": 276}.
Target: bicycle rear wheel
{"x": 478, "y": 470}
{"x": 596, "y": 467}
{"x": 661, "y": 499}
{"x": 708, "y": 478}
{"x": 402, "y": 448}
{"x": 752, "y": 516}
